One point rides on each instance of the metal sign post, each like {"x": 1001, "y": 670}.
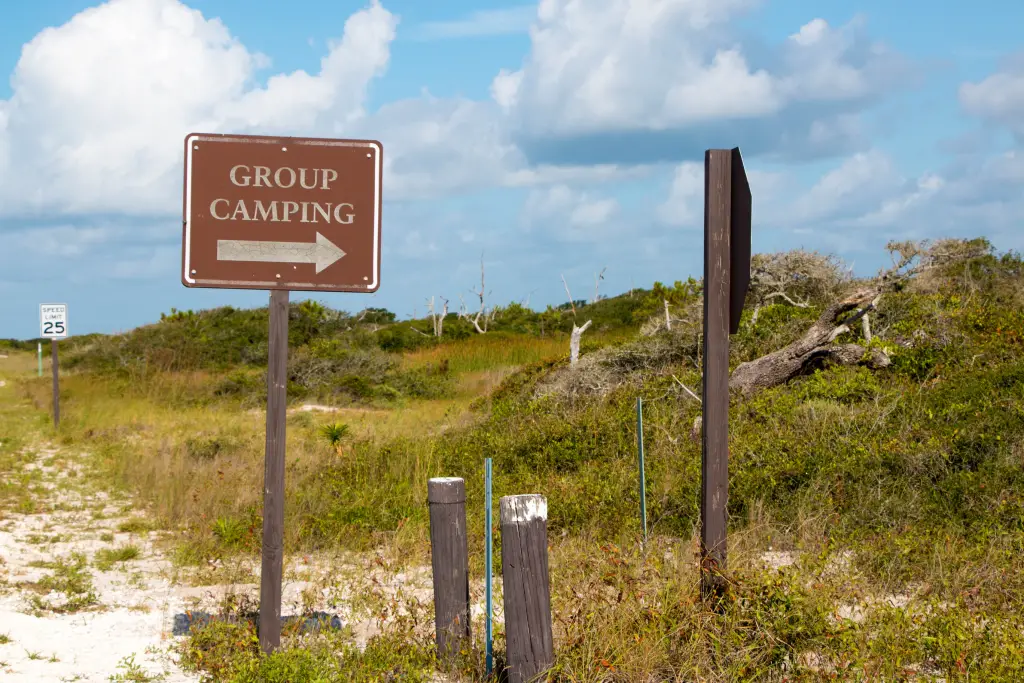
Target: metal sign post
{"x": 280, "y": 214}
{"x": 53, "y": 325}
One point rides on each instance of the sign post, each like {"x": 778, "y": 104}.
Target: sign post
{"x": 39, "y": 358}
{"x": 727, "y": 210}
{"x": 280, "y": 214}
{"x": 53, "y": 325}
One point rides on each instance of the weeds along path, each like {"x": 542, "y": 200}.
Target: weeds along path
{"x": 89, "y": 590}
{"x": 85, "y": 591}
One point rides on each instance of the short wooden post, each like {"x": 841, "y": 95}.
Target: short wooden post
{"x": 524, "y": 569}
{"x": 55, "y": 364}
{"x": 449, "y": 554}
{"x": 272, "y": 563}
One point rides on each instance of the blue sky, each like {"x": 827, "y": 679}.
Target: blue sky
{"x": 558, "y": 138}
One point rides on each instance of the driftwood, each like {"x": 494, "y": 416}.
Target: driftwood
{"x": 815, "y": 347}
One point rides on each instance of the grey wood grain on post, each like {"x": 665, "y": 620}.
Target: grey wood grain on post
{"x": 271, "y": 566}
{"x": 55, "y": 363}
{"x": 715, "y": 399}
{"x": 449, "y": 553}
{"x": 524, "y": 568}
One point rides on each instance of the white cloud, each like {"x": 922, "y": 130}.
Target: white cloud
{"x": 101, "y": 104}
{"x": 861, "y": 180}
{"x": 999, "y": 97}
{"x": 436, "y": 146}
{"x": 672, "y": 65}
{"x": 685, "y": 203}
{"x": 493, "y": 22}
{"x": 57, "y": 241}
{"x": 570, "y": 215}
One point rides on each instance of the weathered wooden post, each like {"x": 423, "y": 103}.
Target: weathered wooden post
{"x": 449, "y": 555}
{"x": 272, "y": 563}
{"x": 524, "y": 569}
{"x": 55, "y": 364}
{"x": 727, "y": 205}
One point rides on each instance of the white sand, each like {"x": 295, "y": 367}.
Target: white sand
{"x": 131, "y": 618}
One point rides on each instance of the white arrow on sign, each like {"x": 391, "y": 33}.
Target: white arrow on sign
{"x": 323, "y": 252}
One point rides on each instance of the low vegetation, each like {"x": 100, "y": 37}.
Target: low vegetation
{"x": 876, "y": 511}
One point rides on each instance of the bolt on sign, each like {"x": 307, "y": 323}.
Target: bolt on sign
{"x": 266, "y": 212}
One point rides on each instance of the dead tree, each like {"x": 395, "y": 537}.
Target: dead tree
{"x": 668, "y": 319}
{"x": 818, "y": 345}
{"x": 437, "y": 319}
{"x": 597, "y": 281}
{"x": 577, "y": 331}
{"x": 483, "y": 310}
{"x": 779, "y": 275}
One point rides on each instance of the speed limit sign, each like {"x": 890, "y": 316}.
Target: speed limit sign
{"x": 53, "y": 321}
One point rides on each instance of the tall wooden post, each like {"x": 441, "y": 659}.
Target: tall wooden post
{"x": 272, "y": 565}
{"x": 726, "y": 277}
{"x": 55, "y": 364}
{"x": 449, "y": 555}
{"x": 524, "y": 569}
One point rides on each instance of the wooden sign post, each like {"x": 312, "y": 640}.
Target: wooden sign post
{"x": 727, "y": 210}
{"x": 280, "y": 214}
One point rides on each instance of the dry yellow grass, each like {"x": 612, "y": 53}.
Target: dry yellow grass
{"x": 489, "y": 352}
{"x": 195, "y": 464}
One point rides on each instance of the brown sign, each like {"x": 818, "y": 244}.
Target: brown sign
{"x": 282, "y": 213}
{"x": 739, "y": 240}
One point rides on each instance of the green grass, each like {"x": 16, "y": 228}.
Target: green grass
{"x": 130, "y": 672}
{"x": 896, "y": 483}
{"x": 71, "y": 579}
{"x": 106, "y": 558}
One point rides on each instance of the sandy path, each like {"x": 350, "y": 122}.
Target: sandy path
{"x": 123, "y": 613}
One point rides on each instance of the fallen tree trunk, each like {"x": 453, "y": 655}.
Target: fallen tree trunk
{"x": 814, "y": 348}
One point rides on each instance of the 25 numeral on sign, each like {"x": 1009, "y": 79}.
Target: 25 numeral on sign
{"x": 54, "y": 328}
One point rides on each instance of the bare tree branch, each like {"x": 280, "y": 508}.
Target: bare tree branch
{"x": 597, "y": 280}
{"x": 697, "y": 398}
{"x": 568, "y": 294}
{"x": 479, "y": 313}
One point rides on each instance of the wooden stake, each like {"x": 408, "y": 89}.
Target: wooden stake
{"x": 272, "y": 564}
{"x": 449, "y": 555}
{"x": 524, "y": 570}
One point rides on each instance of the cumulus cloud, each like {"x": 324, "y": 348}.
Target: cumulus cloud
{"x": 999, "y": 98}
{"x": 570, "y": 215}
{"x": 658, "y": 79}
{"x": 685, "y": 203}
{"x": 101, "y": 104}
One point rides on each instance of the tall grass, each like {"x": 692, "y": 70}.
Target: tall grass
{"x": 490, "y": 351}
